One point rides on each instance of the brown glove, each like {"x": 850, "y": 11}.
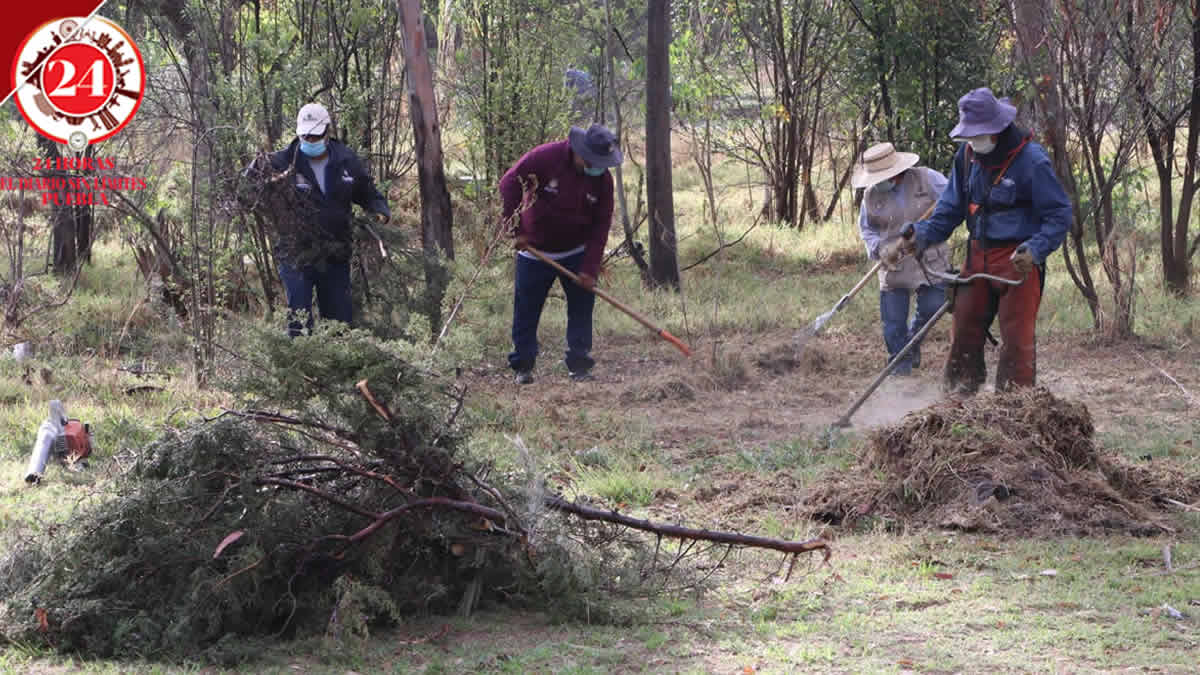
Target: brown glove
{"x": 893, "y": 252}
{"x": 1022, "y": 260}
{"x": 521, "y": 242}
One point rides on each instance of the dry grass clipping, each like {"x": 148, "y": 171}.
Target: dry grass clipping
{"x": 804, "y": 357}
{"x": 1020, "y": 463}
{"x": 659, "y": 389}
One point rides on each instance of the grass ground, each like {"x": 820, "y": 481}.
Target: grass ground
{"x": 729, "y": 439}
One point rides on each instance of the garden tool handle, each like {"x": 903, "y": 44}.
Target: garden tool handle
{"x": 844, "y": 420}
{"x": 859, "y": 286}
{"x": 611, "y": 300}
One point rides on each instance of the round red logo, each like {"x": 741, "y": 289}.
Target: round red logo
{"x": 78, "y": 81}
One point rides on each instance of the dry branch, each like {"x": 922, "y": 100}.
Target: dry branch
{"x": 379, "y": 407}
{"x": 442, "y": 502}
{"x": 680, "y": 532}
{"x": 1186, "y": 394}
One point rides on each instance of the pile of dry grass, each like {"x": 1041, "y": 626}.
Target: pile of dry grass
{"x": 659, "y": 389}
{"x": 1021, "y": 463}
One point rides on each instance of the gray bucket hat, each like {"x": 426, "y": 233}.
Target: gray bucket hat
{"x": 981, "y": 114}
{"x": 597, "y": 146}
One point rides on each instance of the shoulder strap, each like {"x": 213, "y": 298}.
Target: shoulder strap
{"x": 971, "y": 207}
{"x": 964, "y": 187}
{"x": 1011, "y": 156}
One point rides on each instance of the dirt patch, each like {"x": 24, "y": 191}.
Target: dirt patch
{"x": 1020, "y": 463}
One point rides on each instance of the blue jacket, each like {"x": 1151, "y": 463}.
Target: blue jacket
{"x": 327, "y": 212}
{"x": 1027, "y": 206}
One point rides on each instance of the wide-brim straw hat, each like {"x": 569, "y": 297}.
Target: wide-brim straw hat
{"x": 880, "y": 162}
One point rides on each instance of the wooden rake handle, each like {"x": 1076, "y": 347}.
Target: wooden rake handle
{"x": 612, "y": 301}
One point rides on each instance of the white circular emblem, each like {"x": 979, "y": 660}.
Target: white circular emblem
{"x": 77, "y": 141}
{"x": 79, "y": 80}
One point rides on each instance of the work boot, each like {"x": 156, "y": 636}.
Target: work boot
{"x": 524, "y": 377}
{"x": 581, "y": 375}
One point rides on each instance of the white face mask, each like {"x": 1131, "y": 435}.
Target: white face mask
{"x": 982, "y": 145}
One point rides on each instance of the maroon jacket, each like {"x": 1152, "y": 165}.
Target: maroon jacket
{"x": 561, "y": 208}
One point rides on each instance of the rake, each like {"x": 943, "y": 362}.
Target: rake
{"x": 636, "y": 316}
{"x": 819, "y": 323}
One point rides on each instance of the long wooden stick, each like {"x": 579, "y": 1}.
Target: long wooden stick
{"x": 612, "y": 301}
{"x": 680, "y": 532}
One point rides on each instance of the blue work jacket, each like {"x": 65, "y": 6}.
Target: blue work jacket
{"x": 1027, "y": 205}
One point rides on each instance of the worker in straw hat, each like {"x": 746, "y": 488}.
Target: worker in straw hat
{"x": 1017, "y": 214}
{"x": 897, "y": 191}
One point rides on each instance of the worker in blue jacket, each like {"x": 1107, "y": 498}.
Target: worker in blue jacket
{"x": 314, "y": 250}
{"x": 1017, "y": 213}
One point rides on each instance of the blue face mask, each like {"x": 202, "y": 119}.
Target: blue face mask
{"x": 312, "y": 149}
{"x": 594, "y": 170}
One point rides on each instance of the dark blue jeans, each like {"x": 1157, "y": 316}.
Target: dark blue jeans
{"x": 332, "y": 281}
{"x": 898, "y": 330}
{"x": 533, "y": 281}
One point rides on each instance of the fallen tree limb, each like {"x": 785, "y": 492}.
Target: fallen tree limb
{"x": 680, "y": 532}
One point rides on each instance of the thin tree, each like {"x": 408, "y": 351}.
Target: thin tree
{"x": 610, "y": 83}
{"x": 436, "y": 214}
{"x": 664, "y": 261}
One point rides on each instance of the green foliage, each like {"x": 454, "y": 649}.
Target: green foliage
{"x": 510, "y": 85}
{"x": 915, "y": 59}
{"x": 137, "y": 576}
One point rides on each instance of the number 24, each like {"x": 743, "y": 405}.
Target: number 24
{"x": 95, "y": 74}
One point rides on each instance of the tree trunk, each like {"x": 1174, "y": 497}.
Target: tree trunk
{"x": 664, "y": 263}
{"x": 84, "y": 215}
{"x": 63, "y": 234}
{"x": 436, "y": 214}
{"x": 1177, "y": 268}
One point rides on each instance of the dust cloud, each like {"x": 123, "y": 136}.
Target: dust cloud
{"x": 894, "y": 399}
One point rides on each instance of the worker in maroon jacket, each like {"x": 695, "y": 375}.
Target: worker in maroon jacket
{"x": 563, "y": 193}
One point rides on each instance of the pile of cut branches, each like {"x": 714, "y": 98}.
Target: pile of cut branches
{"x": 338, "y": 498}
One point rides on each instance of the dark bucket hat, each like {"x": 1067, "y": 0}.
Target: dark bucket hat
{"x": 597, "y": 146}
{"x": 981, "y": 114}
